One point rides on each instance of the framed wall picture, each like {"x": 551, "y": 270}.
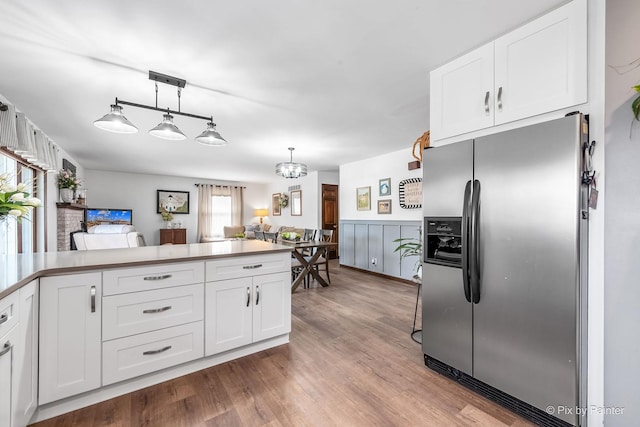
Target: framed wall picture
{"x": 410, "y": 193}
{"x": 384, "y": 206}
{"x": 363, "y": 198}
{"x": 176, "y": 202}
{"x": 275, "y": 204}
{"x": 296, "y": 203}
{"x": 384, "y": 187}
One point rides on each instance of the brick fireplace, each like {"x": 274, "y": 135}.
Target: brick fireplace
{"x": 70, "y": 218}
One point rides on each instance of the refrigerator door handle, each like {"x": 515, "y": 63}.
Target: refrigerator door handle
{"x": 466, "y": 230}
{"x": 474, "y": 255}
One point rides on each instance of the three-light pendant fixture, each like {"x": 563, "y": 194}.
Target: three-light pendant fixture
{"x": 115, "y": 121}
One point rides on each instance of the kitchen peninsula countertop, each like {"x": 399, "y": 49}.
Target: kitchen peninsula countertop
{"x": 18, "y": 270}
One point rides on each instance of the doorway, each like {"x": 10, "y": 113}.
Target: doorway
{"x": 330, "y": 214}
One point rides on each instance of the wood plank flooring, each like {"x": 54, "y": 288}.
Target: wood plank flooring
{"x": 350, "y": 362}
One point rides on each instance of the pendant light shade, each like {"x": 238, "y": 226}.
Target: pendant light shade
{"x": 114, "y": 121}
{"x": 211, "y": 136}
{"x": 290, "y": 169}
{"x": 167, "y": 130}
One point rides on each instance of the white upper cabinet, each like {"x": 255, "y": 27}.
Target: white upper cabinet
{"x": 542, "y": 66}
{"x": 535, "y": 69}
{"x": 462, "y": 94}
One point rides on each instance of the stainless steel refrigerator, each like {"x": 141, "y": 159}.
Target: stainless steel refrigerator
{"x": 504, "y": 283}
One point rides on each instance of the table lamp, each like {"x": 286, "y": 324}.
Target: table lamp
{"x": 261, "y": 213}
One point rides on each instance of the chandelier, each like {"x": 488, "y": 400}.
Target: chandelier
{"x": 115, "y": 121}
{"x": 290, "y": 169}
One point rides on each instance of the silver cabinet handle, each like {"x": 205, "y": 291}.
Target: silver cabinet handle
{"x": 151, "y": 352}
{"x": 164, "y": 276}
{"x": 500, "y": 98}
{"x": 93, "y": 299}
{"x": 6, "y": 348}
{"x": 251, "y": 267}
{"x": 3, "y": 318}
{"x": 257, "y": 295}
{"x": 248, "y": 296}
{"x": 486, "y": 103}
{"x": 156, "y": 310}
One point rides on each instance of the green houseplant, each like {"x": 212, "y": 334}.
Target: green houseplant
{"x": 409, "y": 247}
{"x": 635, "y": 105}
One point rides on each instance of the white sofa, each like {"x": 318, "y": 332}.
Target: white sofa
{"x": 108, "y": 236}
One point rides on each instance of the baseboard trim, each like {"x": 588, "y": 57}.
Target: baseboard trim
{"x": 375, "y": 273}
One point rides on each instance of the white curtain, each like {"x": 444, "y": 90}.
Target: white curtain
{"x": 205, "y": 206}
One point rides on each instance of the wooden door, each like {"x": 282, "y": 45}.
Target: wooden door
{"x": 330, "y": 214}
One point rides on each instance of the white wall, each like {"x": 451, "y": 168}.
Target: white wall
{"x": 311, "y": 187}
{"x": 368, "y": 172}
{"x": 622, "y": 244}
{"x": 138, "y": 192}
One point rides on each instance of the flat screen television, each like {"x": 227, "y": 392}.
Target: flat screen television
{"x": 95, "y": 216}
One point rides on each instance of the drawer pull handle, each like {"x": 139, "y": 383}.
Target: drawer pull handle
{"x": 251, "y": 267}
{"x": 156, "y": 310}
{"x": 164, "y": 276}
{"x": 3, "y": 318}
{"x": 151, "y": 352}
{"x": 248, "y": 296}
{"x": 6, "y": 348}
{"x": 93, "y": 299}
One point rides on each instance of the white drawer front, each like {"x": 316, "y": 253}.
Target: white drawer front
{"x": 138, "y": 312}
{"x": 140, "y": 354}
{"x": 153, "y": 277}
{"x": 8, "y": 313}
{"x": 244, "y": 266}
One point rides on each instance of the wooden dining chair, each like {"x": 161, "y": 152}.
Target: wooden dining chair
{"x": 307, "y": 235}
{"x": 323, "y": 260}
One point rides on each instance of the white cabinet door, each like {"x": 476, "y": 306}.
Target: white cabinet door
{"x": 541, "y": 66}
{"x": 70, "y": 340}
{"x": 26, "y": 352}
{"x": 7, "y": 379}
{"x": 272, "y": 305}
{"x": 461, "y": 94}
{"x": 228, "y": 308}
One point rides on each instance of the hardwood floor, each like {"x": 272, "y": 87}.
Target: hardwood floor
{"x": 350, "y": 362}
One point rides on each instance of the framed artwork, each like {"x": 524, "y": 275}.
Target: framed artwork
{"x": 384, "y": 206}
{"x": 410, "y": 193}
{"x": 363, "y": 198}
{"x": 296, "y": 203}
{"x": 384, "y": 187}
{"x": 176, "y": 202}
{"x": 275, "y": 204}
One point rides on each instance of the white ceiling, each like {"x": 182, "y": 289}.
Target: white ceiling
{"x": 339, "y": 80}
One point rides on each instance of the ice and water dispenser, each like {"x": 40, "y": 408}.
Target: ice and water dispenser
{"x": 443, "y": 241}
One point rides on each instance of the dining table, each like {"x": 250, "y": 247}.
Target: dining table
{"x": 318, "y": 248}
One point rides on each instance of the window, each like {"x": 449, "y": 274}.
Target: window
{"x": 20, "y": 237}
{"x": 220, "y": 214}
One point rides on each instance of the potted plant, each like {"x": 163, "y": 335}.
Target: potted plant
{"x": 67, "y": 183}
{"x": 411, "y": 246}
{"x": 167, "y": 217}
{"x": 635, "y": 106}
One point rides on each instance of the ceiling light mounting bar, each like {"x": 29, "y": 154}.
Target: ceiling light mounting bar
{"x": 164, "y": 110}
{"x": 166, "y": 79}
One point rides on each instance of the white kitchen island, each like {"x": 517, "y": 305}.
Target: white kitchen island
{"x": 113, "y": 321}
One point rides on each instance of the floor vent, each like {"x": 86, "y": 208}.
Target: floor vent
{"x": 521, "y": 408}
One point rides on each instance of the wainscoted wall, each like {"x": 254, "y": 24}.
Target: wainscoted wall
{"x": 369, "y": 245}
